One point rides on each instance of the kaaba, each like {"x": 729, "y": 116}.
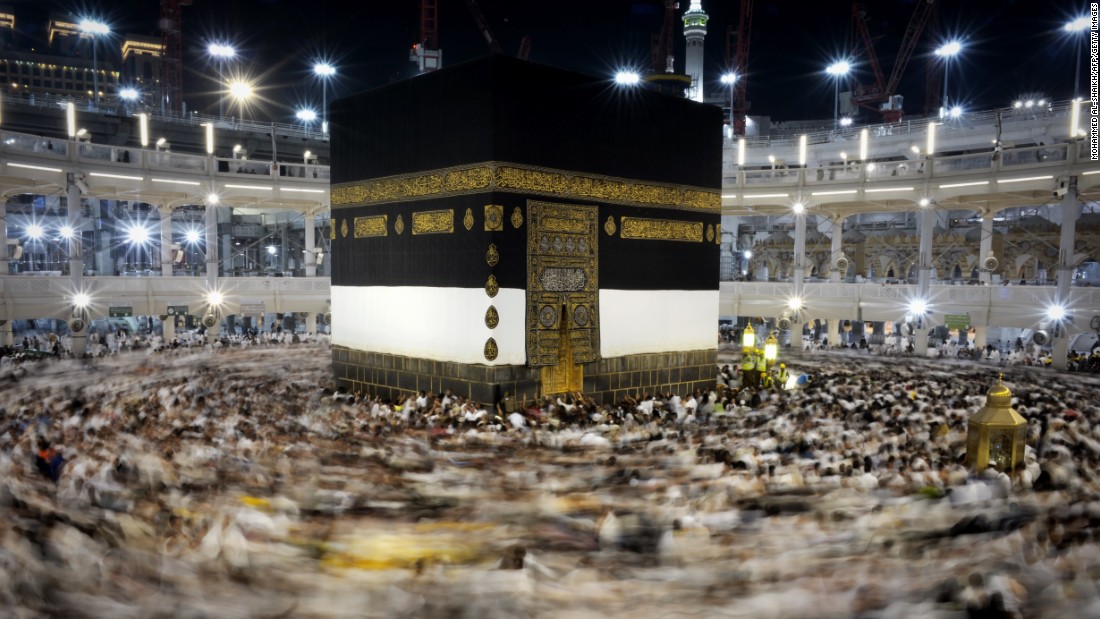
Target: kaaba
{"x": 504, "y": 226}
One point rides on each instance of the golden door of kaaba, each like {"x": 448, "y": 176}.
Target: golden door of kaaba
{"x": 562, "y": 292}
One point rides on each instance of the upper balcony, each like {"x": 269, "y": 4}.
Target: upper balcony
{"x": 35, "y": 164}
{"x": 986, "y": 161}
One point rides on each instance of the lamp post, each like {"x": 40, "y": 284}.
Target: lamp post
{"x": 947, "y": 51}
{"x": 748, "y": 339}
{"x": 221, "y": 53}
{"x": 771, "y": 350}
{"x": 838, "y": 70}
{"x": 1076, "y": 27}
{"x": 324, "y": 70}
{"x": 307, "y": 116}
{"x": 730, "y": 79}
{"x": 94, "y": 28}
{"x": 241, "y": 92}
{"x": 627, "y": 77}
{"x": 129, "y": 95}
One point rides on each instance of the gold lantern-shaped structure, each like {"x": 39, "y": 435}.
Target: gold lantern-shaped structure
{"x": 771, "y": 350}
{"x": 748, "y": 339}
{"x": 995, "y": 434}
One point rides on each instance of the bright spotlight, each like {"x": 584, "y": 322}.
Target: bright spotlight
{"x": 956, "y": 112}
{"x": 324, "y": 69}
{"x": 949, "y": 49}
{"x": 211, "y": 199}
{"x": 306, "y": 115}
{"x": 240, "y": 90}
{"x": 798, "y": 208}
{"x": 845, "y": 122}
{"x": 839, "y": 68}
{"x": 214, "y": 298}
{"x": 191, "y": 236}
{"x": 91, "y": 26}
{"x": 129, "y": 94}
{"x": 271, "y": 250}
{"x": 1056, "y": 312}
{"x": 627, "y": 78}
{"x": 918, "y": 307}
{"x": 35, "y": 231}
{"x": 137, "y": 235}
{"x": 1079, "y": 24}
{"x": 66, "y": 232}
{"x": 1018, "y": 104}
{"x": 221, "y": 50}
{"x": 748, "y": 254}
{"x": 1029, "y": 103}
{"x": 81, "y": 300}
{"x": 794, "y": 303}
{"x": 925, "y": 202}
{"x": 729, "y": 78}
{"x": 915, "y": 149}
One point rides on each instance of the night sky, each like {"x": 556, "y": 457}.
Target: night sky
{"x": 1011, "y": 46}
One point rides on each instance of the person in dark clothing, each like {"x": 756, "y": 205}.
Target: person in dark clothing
{"x": 48, "y": 461}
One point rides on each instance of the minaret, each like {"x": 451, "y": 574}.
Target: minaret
{"x": 695, "y": 29}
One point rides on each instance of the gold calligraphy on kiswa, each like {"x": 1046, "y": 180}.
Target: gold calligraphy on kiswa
{"x": 374, "y": 225}
{"x": 467, "y": 179}
{"x": 508, "y": 177}
{"x": 434, "y": 222}
{"x": 529, "y": 179}
{"x": 661, "y": 229}
{"x": 558, "y": 224}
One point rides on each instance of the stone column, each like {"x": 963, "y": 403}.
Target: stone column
{"x": 284, "y": 251}
{"x": 75, "y": 220}
{"x": 924, "y": 282}
{"x": 7, "y": 337}
{"x": 166, "y": 264}
{"x": 3, "y": 238}
{"x": 837, "y": 238}
{"x": 169, "y": 325}
{"x": 799, "y": 253}
{"x": 985, "y": 246}
{"x": 1070, "y": 211}
{"x": 834, "y": 332}
{"x": 310, "y": 244}
{"x": 211, "y": 233}
{"x": 981, "y": 337}
{"x": 311, "y": 323}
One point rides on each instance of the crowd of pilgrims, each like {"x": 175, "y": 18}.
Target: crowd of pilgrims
{"x": 242, "y": 483}
{"x": 1018, "y": 354}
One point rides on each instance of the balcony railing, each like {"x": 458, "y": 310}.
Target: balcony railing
{"x": 137, "y": 159}
{"x": 1007, "y": 160}
{"x": 914, "y": 126}
{"x": 85, "y": 104}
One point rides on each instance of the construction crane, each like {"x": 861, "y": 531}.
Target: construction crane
{"x": 483, "y": 26}
{"x": 880, "y": 96}
{"x": 525, "y": 48}
{"x": 663, "y": 59}
{"x": 740, "y": 68}
{"x": 426, "y": 54}
{"x": 487, "y": 32}
{"x": 933, "y": 75}
{"x": 171, "y": 63}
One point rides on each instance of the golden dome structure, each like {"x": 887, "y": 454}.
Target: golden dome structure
{"x": 995, "y": 434}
